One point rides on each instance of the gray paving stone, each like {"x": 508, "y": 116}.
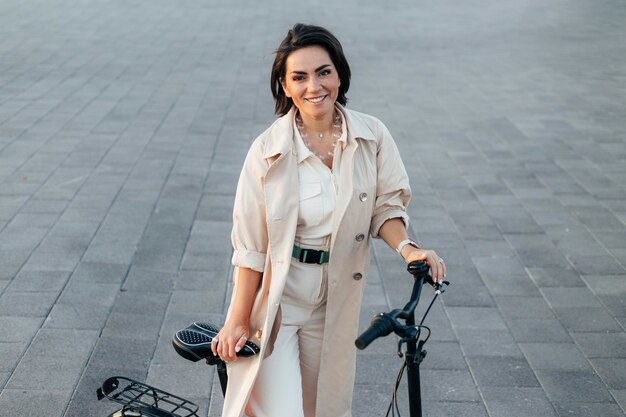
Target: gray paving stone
{"x": 597, "y": 265}
{"x": 52, "y": 261}
{"x": 573, "y": 386}
{"x": 449, "y": 409}
{"x": 46, "y": 373}
{"x": 620, "y": 397}
{"x": 198, "y": 302}
{"x": 555, "y": 277}
{"x": 616, "y": 304}
{"x": 144, "y": 327}
{"x": 523, "y": 307}
{"x": 480, "y": 296}
{"x": 581, "y": 409}
{"x": 141, "y": 302}
{"x": 443, "y": 355}
{"x": 538, "y": 330}
{"x": 99, "y": 272}
{"x": 564, "y": 356}
{"x": 139, "y": 279}
{"x": 34, "y": 403}
{"x": 602, "y": 345}
{"x": 570, "y": 297}
{"x": 503, "y": 266}
{"x": 116, "y": 252}
{"x": 18, "y": 329}
{"x": 11, "y": 352}
{"x": 502, "y": 371}
{"x": 77, "y": 316}
{"x": 186, "y": 379}
{"x": 459, "y": 386}
{"x": 587, "y": 319}
{"x": 612, "y": 371}
{"x": 536, "y": 408}
{"x": 62, "y": 343}
{"x": 488, "y": 343}
{"x": 121, "y": 353}
{"x": 27, "y": 304}
{"x": 606, "y": 284}
{"x": 95, "y": 294}
{"x": 476, "y": 318}
{"x": 480, "y": 248}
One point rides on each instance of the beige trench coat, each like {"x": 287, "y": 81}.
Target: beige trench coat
{"x": 373, "y": 187}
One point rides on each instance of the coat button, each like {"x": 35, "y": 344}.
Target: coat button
{"x": 359, "y": 237}
{"x": 258, "y": 334}
{"x": 357, "y": 276}
{"x": 363, "y": 196}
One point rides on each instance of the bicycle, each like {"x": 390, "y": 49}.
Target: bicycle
{"x": 383, "y": 324}
{"x": 194, "y": 343}
{"x": 142, "y": 400}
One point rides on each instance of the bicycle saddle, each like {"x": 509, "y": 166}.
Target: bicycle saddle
{"x": 194, "y": 343}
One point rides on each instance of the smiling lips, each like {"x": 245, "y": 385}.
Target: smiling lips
{"x": 315, "y": 99}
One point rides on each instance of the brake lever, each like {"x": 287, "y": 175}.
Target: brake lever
{"x": 439, "y": 288}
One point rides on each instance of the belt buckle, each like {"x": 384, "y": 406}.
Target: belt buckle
{"x": 310, "y": 256}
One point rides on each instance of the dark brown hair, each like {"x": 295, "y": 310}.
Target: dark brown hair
{"x": 302, "y": 36}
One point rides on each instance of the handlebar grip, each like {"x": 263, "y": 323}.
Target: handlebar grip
{"x": 380, "y": 326}
{"x": 418, "y": 268}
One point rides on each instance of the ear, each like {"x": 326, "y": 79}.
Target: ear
{"x": 284, "y": 85}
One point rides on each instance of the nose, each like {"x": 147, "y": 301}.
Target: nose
{"x": 314, "y": 84}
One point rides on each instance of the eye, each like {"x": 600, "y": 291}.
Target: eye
{"x": 298, "y": 77}
{"x": 325, "y": 72}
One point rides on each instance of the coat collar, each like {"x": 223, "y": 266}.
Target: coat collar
{"x": 280, "y": 140}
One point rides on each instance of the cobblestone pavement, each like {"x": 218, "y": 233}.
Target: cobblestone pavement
{"x": 123, "y": 126}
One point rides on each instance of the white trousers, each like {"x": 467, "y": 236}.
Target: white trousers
{"x": 286, "y": 385}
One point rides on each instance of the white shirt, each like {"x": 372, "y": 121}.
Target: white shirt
{"x": 318, "y": 192}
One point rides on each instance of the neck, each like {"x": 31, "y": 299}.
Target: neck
{"x": 323, "y": 124}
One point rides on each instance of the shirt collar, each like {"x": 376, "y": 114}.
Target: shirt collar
{"x": 282, "y": 134}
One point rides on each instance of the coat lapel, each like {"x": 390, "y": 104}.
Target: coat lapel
{"x": 281, "y": 201}
{"x": 357, "y": 131}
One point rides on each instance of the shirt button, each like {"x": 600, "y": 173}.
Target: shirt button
{"x": 363, "y": 196}
{"x": 357, "y": 276}
{"x": 359, "y": 237}
{"x": 258, "y": 333}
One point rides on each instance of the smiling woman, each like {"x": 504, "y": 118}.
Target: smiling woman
{"x": 315, "y": 186}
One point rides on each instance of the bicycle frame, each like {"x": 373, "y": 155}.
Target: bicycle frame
{"x": 385, "y": 323}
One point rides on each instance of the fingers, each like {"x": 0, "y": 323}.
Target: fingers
{"x": 437, "y": 267}
{"x": 240, "y": 343}
{"x": 436, "y": 264}
{"x": 228, "y": 347}
{"x": 214, "y": 345}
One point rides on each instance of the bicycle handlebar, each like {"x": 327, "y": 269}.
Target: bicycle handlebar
{"x": 381, "y": 326}
{"x": 384, "y": 323}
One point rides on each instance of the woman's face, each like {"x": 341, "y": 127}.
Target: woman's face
{"x": 312, "y": 82}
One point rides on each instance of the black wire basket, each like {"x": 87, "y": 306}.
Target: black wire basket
{"x": 142, "y": 400}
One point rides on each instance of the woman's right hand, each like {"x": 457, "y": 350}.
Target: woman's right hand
{"x": 230, "y": 340}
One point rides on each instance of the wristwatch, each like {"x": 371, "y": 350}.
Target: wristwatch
{"x": 405, "y": 242}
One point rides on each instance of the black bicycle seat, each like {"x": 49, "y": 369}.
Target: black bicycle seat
{"x": 194, "y": 343}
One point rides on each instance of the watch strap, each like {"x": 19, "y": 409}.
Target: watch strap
{"x": 405, "y": 242}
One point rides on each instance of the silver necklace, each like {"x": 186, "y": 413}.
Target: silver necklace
{"x": 305, "y": 136}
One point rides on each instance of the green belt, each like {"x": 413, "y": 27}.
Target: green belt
{"x": 310, "y": 256}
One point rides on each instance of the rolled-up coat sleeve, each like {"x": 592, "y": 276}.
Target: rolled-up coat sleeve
{"x": 249, "y": 235}
{"x": 393, "y": 191}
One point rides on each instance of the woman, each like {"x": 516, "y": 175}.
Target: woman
{"x": 314, "y": 187}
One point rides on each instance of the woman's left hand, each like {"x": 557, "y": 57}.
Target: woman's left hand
{"x": 436, "y": 264}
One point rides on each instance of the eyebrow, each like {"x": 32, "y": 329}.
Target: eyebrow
{"x": 316, "y": 69}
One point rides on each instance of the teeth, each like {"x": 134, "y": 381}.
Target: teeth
{"x": 315, "y": 100}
